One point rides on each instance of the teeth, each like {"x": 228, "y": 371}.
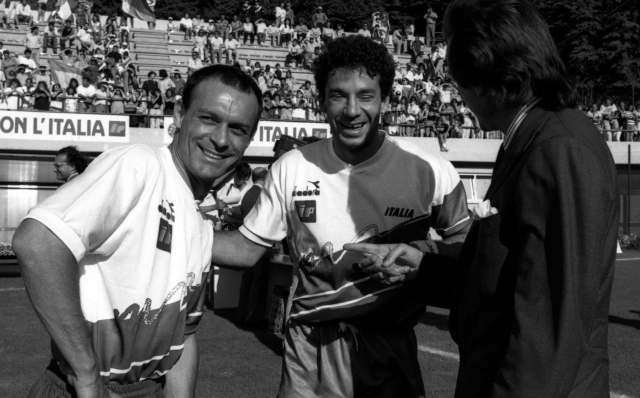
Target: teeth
{"x": 353, "y": 126}
{"x": 212, "y": 155}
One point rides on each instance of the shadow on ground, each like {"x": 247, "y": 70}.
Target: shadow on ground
{"x": 268, "y": 339}
{"x": 631, "y": 322}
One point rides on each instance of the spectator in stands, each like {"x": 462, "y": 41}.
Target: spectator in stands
{"x": 286, "y": 109}
{"x": 170, "y": 28}
{"x": 28, "y": 61}
{"x": 9, "y": 65}
{"x": 186, "y": 26}
{"x": 301, "y": 30}
{"x": 200, "y": 44}
{"x": 273, "y": 32}
{"x": 281, "y": 14}
{"x": 178, "y": 81}
{"x": 22, "y": 14}
{"x": 431, "y": 18}
{"x": 32, "y": 42}
{"x": 126, "y": 20}
{"x": 211, "y": 27}
{"x": 315, "y": 33}
{"x": 328, "y": 33}
{"x": 236, "y": 28}
{"x": 198, "y": 23}
{"x": 50, "y": 38}
{"x": 71, "y": 100}
{"x": 286, "y": 33}
{"x": 165, "y": 83}
{"x": 247, "y": 31}
{"x": 299, "y": 104}
{"x": 96, "y": 28}
{"x": 230, "y": 48}
{"x": 261, "y": 32}
{"x": 13, "y": 94}
{"x": 223, "y": 27}
{"x": 142, "y": 108}
{"x": 399, "y": 40}
{"x": 609, "y": 113}
{"x": 57, "y": 97}
{"x": 85, "y": 38}
{"x": 631, "y": 119}
{"x": 169, "y": 102}
{"x": 340, "y": 31}
{"x": 365, "y": 31}
{"x": 194, "y": 64}
{"x": 86, "y": 93}
{"x": 156, "y": 109}
{"x": 290, "y": 14}
{"x": 41, "y": 76}
{"x": 150, "y": 84}
{"x": 295, "y": 54}
{"x": 102, "y": 94}
{"x": 319, "y": 18}
{"x": 22, "y": 74}
{"x": 276, "y": 105}
{"x": 216, "y": 47}
{"x": 42, "y": 8}
{"x": 117, "y": 98}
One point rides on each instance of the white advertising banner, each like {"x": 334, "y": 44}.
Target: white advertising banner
{"x": 53, "y": 126}
{"x": 269, "y": 131}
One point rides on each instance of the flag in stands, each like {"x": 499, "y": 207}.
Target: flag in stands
{"x": 139, "y": 9}
{"x": 63, "y": 73}
{"x": 67, "y": 7}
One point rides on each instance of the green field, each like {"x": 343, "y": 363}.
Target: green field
{"x": 243, "y": 364}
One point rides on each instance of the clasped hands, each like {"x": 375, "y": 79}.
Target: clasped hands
{"x": 390, "y": 262}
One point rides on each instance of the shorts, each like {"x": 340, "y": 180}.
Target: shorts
{"x": 53, "y": 384}
{"x": 341, "y": 361}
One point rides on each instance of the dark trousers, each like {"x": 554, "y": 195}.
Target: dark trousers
{"x": 245, "y": 35}
{"x": 299, "y": 58}
{"x": 53, "y": 384}
{"x": 253, "y": 293}
{"x": 49, "y": 41}
{"x": 431, "y": 35}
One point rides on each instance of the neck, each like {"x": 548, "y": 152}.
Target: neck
{"x": 199, "y": 188}
{"x": 259, "y": 183}
{"x": 355, "y": 156}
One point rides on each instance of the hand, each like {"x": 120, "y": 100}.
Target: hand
{"x": 388, "y": 263}
{"x": 91, "y": 388}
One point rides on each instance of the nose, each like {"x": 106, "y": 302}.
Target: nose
{"x": 220, "y": 137}
{"x": 352, "y": 110}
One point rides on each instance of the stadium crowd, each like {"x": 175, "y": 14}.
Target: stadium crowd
{"x": 425, "y": 102}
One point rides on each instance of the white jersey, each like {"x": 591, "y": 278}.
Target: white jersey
{"x": 394, "y": 197}
{"x": 143, "y": 250}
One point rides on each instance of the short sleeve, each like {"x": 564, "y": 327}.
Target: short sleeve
{"x": 449, "y": 210}
{"x": 266, "y": 224}
{"x": 86, "y": 211}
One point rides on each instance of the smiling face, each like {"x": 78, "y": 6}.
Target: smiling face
{"x": 215, "y": 130}
{"x": 353, "y": 103}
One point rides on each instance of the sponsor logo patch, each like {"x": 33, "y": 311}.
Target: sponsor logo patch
{"x": 306, "y": 210}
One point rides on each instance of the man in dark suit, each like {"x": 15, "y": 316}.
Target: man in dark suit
{"x": 531, "y": 284}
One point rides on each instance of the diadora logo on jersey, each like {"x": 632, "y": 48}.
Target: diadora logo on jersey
{"x": 399, "y": 212}
{"x": 165, "y": 231}
{"x": 313, "y": 191}
{"x": 306, "y": 210}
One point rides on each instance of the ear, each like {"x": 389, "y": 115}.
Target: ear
{"x": 178, "y": 114}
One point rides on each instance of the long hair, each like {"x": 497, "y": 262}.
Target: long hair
{"x": 504, "y": 49}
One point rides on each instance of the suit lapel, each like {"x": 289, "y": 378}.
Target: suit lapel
{"x": 520, "y": 142}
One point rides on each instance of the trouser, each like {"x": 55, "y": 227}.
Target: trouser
{"x": 261, "y": 38}
{"x": 245, "y": 35}
{"x": 272, "y": 36}
{"x": 253, "y": 290}
{"x": 50, "y": 41}
{"x": 218, "y": 54}
{"x": 35, "y": 55}
{"x": 63, "y": 43}
{"x": 187, "y": 31}
{"x": 297, "y": 57}
{"x": 231, "y": 54}
{"x": 398, "y": 46}
{"x": 53, "y": 384}
{"x": 200, "y": 50}
{"x": 431, "y": 34}
{"x": 339, "y": 360}
{"x": 85, "y": 107}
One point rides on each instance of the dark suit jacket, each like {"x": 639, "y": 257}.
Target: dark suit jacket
{"x": 531, "y": 295}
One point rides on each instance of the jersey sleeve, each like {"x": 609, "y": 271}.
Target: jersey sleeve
{"x": 450, "y": 214}
{"x": 266, "y": 224}
{"x": 86, "y": 211}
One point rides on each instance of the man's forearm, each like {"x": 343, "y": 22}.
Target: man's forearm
{"x": 233, "y": 250}
{"x": 51, "y": 277}
{"x": 181, "y": 379}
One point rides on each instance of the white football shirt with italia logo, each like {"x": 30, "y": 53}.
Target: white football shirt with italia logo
{"x": 394, "y": 197}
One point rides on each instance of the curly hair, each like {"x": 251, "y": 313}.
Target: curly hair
{"x": 505, "y": 49}
{"x": 74, "y": 158}
{"x": 355, "y": 52}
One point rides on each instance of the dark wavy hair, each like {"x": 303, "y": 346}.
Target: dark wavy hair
{"x": 74, "y": 158}
{"x": 355, "y": 52}
{"x": 504, "y": 49}
{"x": 243, "y": 171}
{"x": 227, "y": 75}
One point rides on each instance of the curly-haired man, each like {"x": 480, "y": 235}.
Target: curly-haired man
{"x": 348, "y": 334}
